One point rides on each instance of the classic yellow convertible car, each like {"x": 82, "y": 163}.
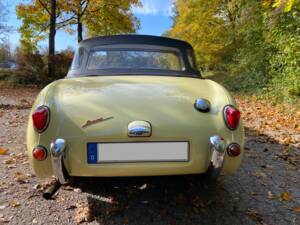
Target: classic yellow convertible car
{"x": 134, "y": 105}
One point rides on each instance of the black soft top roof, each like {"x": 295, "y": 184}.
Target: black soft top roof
{"x": 133, "y": 39}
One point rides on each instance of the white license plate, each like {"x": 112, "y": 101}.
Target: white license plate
{"x": 138, "y": 152}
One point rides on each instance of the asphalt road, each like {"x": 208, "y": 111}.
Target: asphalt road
{"x": 265, "y": 190}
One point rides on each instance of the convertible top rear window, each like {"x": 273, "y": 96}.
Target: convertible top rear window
{"x": 135, "y": 58}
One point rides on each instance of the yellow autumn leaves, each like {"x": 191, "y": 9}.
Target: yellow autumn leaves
{"x": 99, "y": 17}
{"x": 197, "y": 22}
{"x": 3, "y": 151}
{"x": 285, "y": 4}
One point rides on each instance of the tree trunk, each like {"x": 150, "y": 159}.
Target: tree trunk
{"x": 79, "y": 31}
{"x": 51, "y": 55}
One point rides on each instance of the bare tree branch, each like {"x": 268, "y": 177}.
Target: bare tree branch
{"x": 44, "y": 6}
{"x": 65, "y": 22}
{"x": 85, "y": 8}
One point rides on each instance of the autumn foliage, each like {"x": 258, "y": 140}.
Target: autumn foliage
{"x": 97, "y": 17}
{"x": 255, "y": 42}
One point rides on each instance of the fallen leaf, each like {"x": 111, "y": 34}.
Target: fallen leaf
{"x": 3, "y": 151}
{"x": 285, "y": 196}
{"x": 13, "y": 159}
{"x": 20, "y": 178}
{"x": 37, "y": 187}
{"x": 163, "y": 212}
{"x": 2, "y": 207}
{"x": 71, "y": 207}
{"x": 4, "y": 220}
{"x": 8, "y": 161}
{"x": 254, "y": 215}
{"x": 115, "y": 209}
{"x": 296, "y": 209}
{"x": 77, "y": 190}
{"x": 125, "y": 221}
{"x": 196, "y": 210}
{"x": 24, "y": 101}
{"x": 259, "y": 174}
{"x": 144, "y": 186}
{"x": 82, "y": 214}
{"x": 14, "y": 204}
{"x": 30, "y": 175}
{"x": 68, "y": 188}
{"x": 286, "y": 140}
{"x": 109, "y": 200}
{"x": 198, "y": 202}
{"x": 271, "y": 195}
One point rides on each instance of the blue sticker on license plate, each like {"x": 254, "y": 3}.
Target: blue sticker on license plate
{"x": 92, "y": 153}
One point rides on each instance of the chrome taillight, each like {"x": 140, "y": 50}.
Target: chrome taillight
{"x": 231, "y": 117}
{"x": 41, "y": 118}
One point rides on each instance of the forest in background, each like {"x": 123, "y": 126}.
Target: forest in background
{"x": 253, "y": 45}
{"x": 250, "y": 46}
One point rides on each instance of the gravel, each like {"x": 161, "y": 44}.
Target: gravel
{"x": 265, "y": 190}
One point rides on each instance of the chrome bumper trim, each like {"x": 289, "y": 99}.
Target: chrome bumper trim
{"x": 217, "y": 146}
{"x": 57, "y": 149}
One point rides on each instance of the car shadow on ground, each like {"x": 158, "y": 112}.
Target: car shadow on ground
{"x": 243, "y": 198}
{"x": 154, "y": 200}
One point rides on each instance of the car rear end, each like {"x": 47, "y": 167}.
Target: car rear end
{"x": 107, "y": 129}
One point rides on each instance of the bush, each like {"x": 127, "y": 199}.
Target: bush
{"x": 285, "y": 64}
{"x": 32, "y": 68}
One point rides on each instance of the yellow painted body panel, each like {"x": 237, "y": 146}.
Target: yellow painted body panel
{"x": 166, "y": 102}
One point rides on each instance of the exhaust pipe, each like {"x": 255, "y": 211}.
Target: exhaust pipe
{"x": 52, "y": 190}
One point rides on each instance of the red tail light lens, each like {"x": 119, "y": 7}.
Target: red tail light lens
{"x": 231, "y": 117}
{"x": 233, "y": 150}
{"x": 39, "y": 153}
{"x": 40, "y": 118}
